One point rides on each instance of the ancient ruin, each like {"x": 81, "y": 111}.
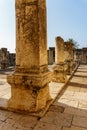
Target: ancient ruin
{"x": 59, "y": 68}
{"x": 69, "y": 56}
{"x": 51, "y": 55}
{"x": 7, "y": 59}
{"x": 78, "y": 55}
{"x": 45, "y": 105}
{"x": 29, "y": 82}
{"x": 81, "y": 55}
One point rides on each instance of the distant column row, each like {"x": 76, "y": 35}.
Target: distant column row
{"x": 64, "y": 60}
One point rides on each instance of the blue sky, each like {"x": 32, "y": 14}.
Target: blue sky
{"x": 65, "y": 18}
{"x": 7, "y": 24}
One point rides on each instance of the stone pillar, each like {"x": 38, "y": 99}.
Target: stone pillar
{"x": 69, "y": 56}
{"x": 74, "y": 58}
{"x": 29, "y": 83}
{"x": 51, "y": 55}
{"x": 75, "y": 55}
{"x": 82, "y": 56}
{"x": 59, "y": 50}
{"x": 59, "y": 68}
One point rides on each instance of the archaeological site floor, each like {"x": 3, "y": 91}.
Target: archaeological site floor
{"x": 68, "y": 111}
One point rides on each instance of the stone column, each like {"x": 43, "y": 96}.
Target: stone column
{"x": 29, "y": 83}
{"x": 51, "y": 55}
{"x": 59, "y": 50}
{"x": 74, "y": 58}
{"x": 69, "y": 56}
{"x": 82, "y": 56}
{"x": 59, "y": 68}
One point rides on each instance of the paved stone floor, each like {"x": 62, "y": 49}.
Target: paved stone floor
{"x": 68, "y": 112}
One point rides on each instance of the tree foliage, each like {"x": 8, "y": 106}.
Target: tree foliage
{"x": 76, "y": 45}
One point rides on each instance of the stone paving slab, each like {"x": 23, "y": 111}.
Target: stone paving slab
{"x": 83, "y": 105}
{"x": 13, "y": 121}
{"x": 47, "y": 126}
{"x": 56, "y": 108}
{"x": 76, "y": 111}
{"x": 80, "y": 121}
{"x": 74, "y": 128}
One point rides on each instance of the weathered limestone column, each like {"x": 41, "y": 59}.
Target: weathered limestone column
{"x": 29, "y": 83}
{"x": 74, "y": 59}
{"x": 59, "y": 68}
{"x": 51, "y": 55}
{"x": 69, "y": 56}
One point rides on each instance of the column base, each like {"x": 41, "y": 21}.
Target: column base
{"x": 69, "y": 67}
{"x": 30, "y": 93}
{"x": 59, "y": 73}
{"x": 73, "y": 65}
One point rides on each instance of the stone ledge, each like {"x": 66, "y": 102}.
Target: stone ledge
{"x": 30, "y": 79}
